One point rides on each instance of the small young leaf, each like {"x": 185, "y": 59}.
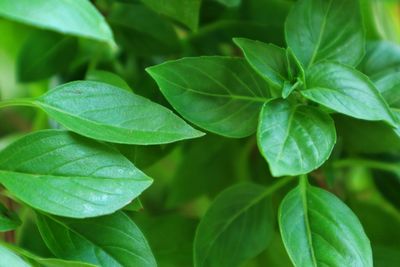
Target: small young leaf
{"x": 109, "y": 241}
{"x": 319, "y": 30}
{"x": 319, "y": 230}
{"x": 68, "y": 175}
{"x": 381, "y": 57}
{"x": 9, "y": 220}
{"x": 220, "y": 94}
{"x": 186, "y": 12}
{"x": 78, "y": 17}
{"x": 9, "y": 258}
{"x": 267, "y": 59}
{"x": 45, "y": 54}
{"x": 294, "y": 139}
{"x": 108, "y": 113}
{"x": 237, "y": 227}
{"x": 346, "y": 91}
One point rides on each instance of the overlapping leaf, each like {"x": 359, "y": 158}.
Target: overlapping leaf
{"x": 237, "y": 227}
{"x": 109, "y": 241}
{"x": 318, "y": 30}
{"x": 220, "y": 94}
{"x": 319, "y": 230}
{"x": 105, "y": 112}
{"x": 68, "y": 175}
{"x": 294, "y": 139}
{"x": 76, "y": 17}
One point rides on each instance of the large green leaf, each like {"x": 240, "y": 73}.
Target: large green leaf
{"x": 346, "y": 91}
{"x": 68, "y": 175}
{"x": 9, "y": 220}
{"x": 108, "y": 241}
{"x": 9, "y": 258}
{"x": 107, "y": 77}
{"x": 381, "y": 57}
{"x": 102, "y": 111}
{"x": 45, "y": 54}
{"x": 230, "y": 3}
{"x": 320, "y": 30}
{"x": 389, "y": 86}
{"x": 294, "y": 139}
{"x": 186, "y": 12}
{"x": 76, "y": 17}
{"x": 320, "y": 230}
{"x": 220, "y": 94}
{"x": 237, "y": 226}
{"x": 267, "y": 59}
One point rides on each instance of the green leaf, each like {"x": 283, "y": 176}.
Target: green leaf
{"x": 45, "y": 54}
{"x": 268, "y": 60}
{"x": 107, "y": 77}
{"x": 381, "y": 57}
{"x": 318, "y": 30}
{"x": 68, "y": 175}
{"x": 9, "y": 220}
{"x": 183, "y": 11}
{"x": 46, "y": 262}
{"x": 238, "y": 226}
{"x": 220, "y": 94}
{"x": 108, "y": 113}
{"x": 389, "y": 86}
{"x": 346, "y": 91}
{"x": 141, "y": 31}
{"x": 9, "y": 258}
{"x": 76, "y": 17}
{"x": 294, "y": 139}
{"x": 320, "y": 230}
{"x": 112, "y": 240}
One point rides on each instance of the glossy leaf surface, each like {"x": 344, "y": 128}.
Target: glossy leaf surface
{"x": 267, "y": 59}
{"x": 102, "y": 111}
{"x": 240, "y": 220}
{"x": 294, "y": 139}
{"x": 76, "y": 17}
{"x": 109, "y": 241}
{"x": 346, "y": 91}
{"x": 220, "y": 94}
{"x": 320, "y": 230}
{"x": 318, "y": 30}
{"x": 68, "y": 175}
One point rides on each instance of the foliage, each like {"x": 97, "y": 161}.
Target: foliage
{"x": 270, "y": 130}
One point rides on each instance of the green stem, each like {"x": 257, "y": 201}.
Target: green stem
{"x": 282, "y": 182}
{"x": 27, "y": 102}
{"x": 373, "y": 164}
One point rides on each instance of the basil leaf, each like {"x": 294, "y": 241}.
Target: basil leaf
{"x": 240, "y": 220}
{"x": 318, "y": 30}
{"x": 9, "y": 258}
{"x": 108, "y": 113}
{"x": 112, "y": 240}
{"x": 68, "y": 175}
{"x": 9, "y": 220}
{"x": 267, "y": 59}
{"x": 294, "y": 139}
{"x": 45, "y": 54}
{"x": 220, "y": 94}
{"x": 389, "y": 87}
{"x": 318, "y": 229}
{"x": 381, "y": 57}
{"x": 78, "y": 17}
{"x": 183, "y": 11}
{"x": 346, "y": 91}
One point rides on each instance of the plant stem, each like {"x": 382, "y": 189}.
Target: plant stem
{"x": 373, "y": 164}
{"x": 282, "y": 182}
{"x": 27, "y": 102}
